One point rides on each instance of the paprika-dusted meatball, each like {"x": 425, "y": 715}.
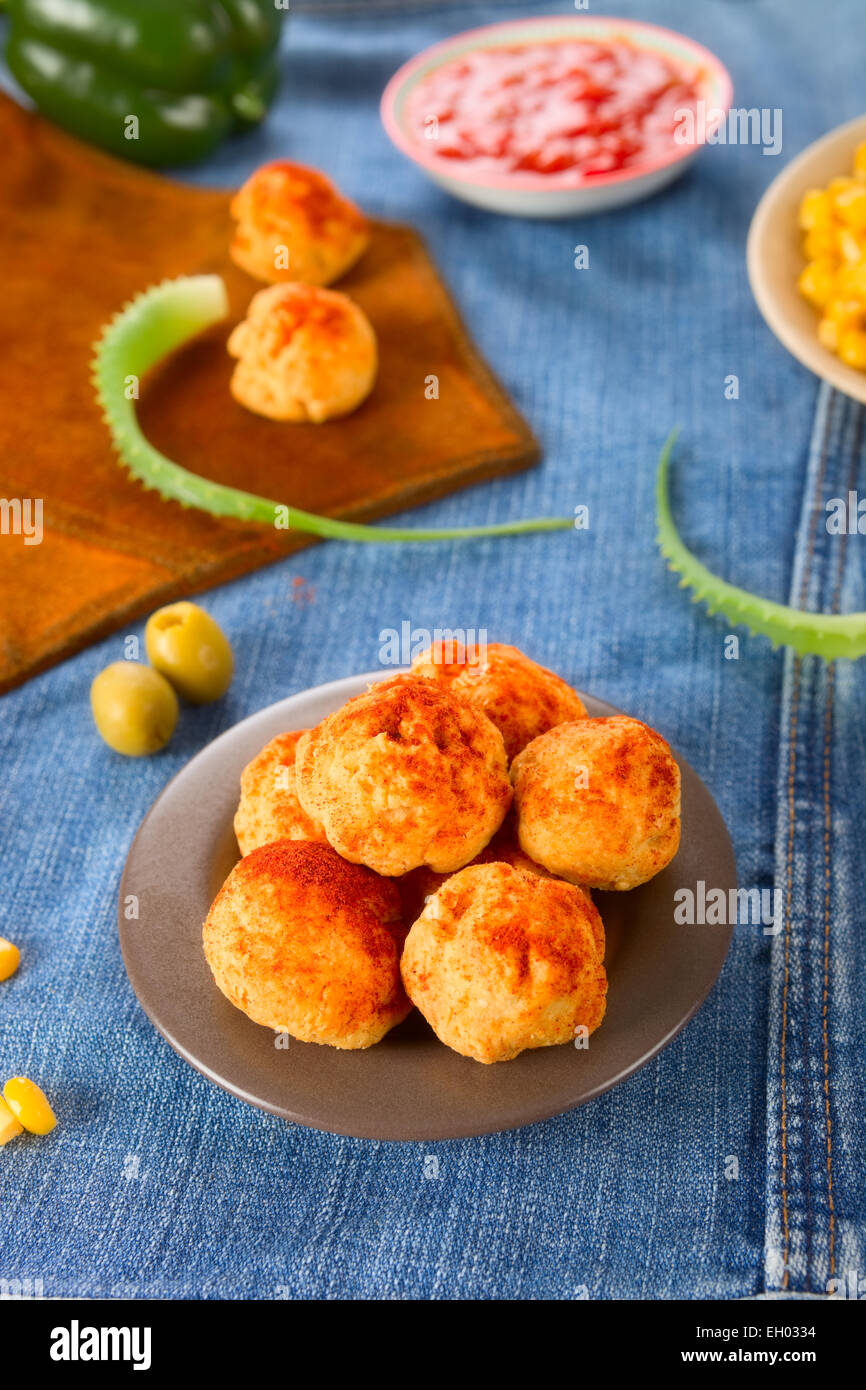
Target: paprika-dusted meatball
{"x": 598, "y": 802}
{"x": 501, "y": 960}
{"x": 304, "y": 354}
{"x": 417, "y": 887}
{"x": 506, "y": 853}
{"x": 292, "y": 224}
{"x": 307, "y": 944}
{"x": 403, "y": 775}
{"x": 521, "y": 698}
{"x": 269, "y": 808}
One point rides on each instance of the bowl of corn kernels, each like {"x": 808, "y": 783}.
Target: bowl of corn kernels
{"x": 806, "y": 258}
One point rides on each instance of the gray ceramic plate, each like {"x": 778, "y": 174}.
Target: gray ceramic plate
{"x": 409, "y": 1086}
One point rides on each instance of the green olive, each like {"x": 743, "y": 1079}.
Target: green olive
{"x": 191, "y": 650}
{"x": 134, "y": 708}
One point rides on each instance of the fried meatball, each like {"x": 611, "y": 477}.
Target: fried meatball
{"x": 292, "y": 224}
{"x": 269, "y": 808}
{"x": 501, "y": 852}
{"x": 404, "y": 775}
{"x": 501, "y": 960}
{"x": 417, "y": 888}
{"x": 307, "y": 944}
{"x": 598, "y": 802}
{"x": 521, "y": 698}
{"x": 303, "y": 354}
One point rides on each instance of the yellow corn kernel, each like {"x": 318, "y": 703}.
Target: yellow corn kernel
{"x": 10, "y": 1128}
{"x": 839, "y": 185}
{"x": 848, "y": 245}
{"x": 9, "y": 958}
{"x": 851, "y": 281}
{"x": 29, "y": 1104}
{"x": 847, "y": 313}
{"x": 852, "y": 348}
{"x": 821, "y": 241}
{"x": 816, "y": 210}
{"x": 834, "y": 245}
{"x": 841, "y": 317}
{"x": 850, "y": 207}
{"x": 817, "y": 282}
{"x": 828, "y": 334}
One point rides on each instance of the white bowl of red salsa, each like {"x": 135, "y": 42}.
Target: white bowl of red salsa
{"x": 556, "y": 116}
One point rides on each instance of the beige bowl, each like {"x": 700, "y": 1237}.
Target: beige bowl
{"x": 775, "y": 258}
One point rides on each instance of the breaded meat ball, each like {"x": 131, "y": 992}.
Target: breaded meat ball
{"x": 598, "y": 802}
{"x": 417, "y": 888}
{"x": 269, "y": 808}
{"x": 504, "y": 853}
{"x": 307, "y": 944}
{"x": 521, "y": 698}
{"x": 304, "y": 354}
{"x": 501, "y": 960}
{"x": 404, "y": 775}
{"x": 292, "y": 224}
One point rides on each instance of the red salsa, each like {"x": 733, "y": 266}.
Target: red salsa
{"x": 570, "y": 107}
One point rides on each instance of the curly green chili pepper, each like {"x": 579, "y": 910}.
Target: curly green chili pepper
{"x": 158, "y": 322}
{"x": 828, "y": 635}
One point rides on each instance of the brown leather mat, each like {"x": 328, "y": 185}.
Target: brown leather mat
{"x": 80, "y": 234}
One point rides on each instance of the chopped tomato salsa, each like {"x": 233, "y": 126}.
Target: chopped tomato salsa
{"x": 570, "y": 107}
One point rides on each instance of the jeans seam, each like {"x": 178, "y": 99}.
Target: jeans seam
{"x": 825, "y": 995}
{"x": 828, "y": 879}
{"x": 792, "y": 771}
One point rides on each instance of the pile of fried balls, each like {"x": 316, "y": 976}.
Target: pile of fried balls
{"x": 435, "y": 843}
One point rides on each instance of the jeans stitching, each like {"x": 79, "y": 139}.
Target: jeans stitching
{"x": 828, "y": 729}
{"x": 792, "y": 771}
{"x": 827, "y": 776}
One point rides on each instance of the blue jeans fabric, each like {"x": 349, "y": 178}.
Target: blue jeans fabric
{"x": 158, "y": 1184}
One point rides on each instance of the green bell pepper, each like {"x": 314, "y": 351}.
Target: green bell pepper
{"x": 160, "y": 82}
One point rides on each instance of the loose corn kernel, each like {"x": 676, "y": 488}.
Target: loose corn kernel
{"x": 29, "y": 1104}
{"x": 836, "y": 186}
{"x": 828, "y": 334}
{"x": 822, "y": 242}
{"x": 849, "y": 246}
{"x": 860, "y": 161}
{"x": 850, "y": 207}
{"x": 10, "y": 1128}
{"x": 817, "y": 281}
{"x": 846, "y": 313}
{"x": 851, "y": 280}
{"x": 852, "y": 348}
{"x": 9, "y": 958}
{"x": 815, "y": 209}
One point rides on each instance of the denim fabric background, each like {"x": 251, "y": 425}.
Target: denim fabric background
{"x": 157, "y": 1183}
